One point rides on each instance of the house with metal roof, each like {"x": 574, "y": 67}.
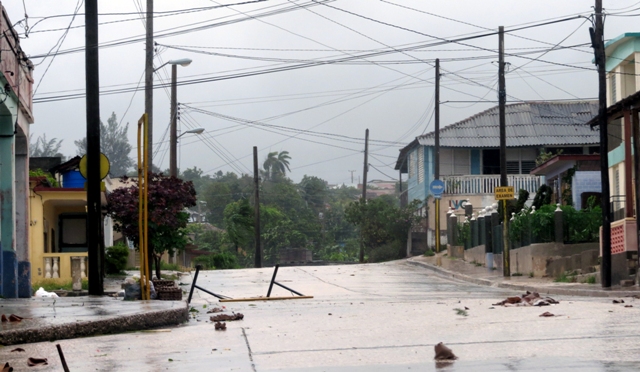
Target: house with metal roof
{"x": 470, "y": 153}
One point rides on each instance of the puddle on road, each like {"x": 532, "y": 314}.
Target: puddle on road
{"x": 529, "y": 365}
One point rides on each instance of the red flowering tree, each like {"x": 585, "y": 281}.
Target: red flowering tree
{"x": 168, "y": 197}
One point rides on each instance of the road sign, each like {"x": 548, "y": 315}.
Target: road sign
{"x": 104, "y": 166}
{"x": 436, "y": 187}
{"x": 504, "y": 193}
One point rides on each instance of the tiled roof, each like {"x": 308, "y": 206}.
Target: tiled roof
{"x": 527, "y": 124}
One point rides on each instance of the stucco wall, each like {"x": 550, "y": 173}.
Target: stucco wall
{"x": 584, "y": 181}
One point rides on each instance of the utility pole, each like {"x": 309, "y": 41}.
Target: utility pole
{"x": 436, "y": 173}
{"x": 352, "y": 172}
{"x": 364, "y": 185}
{"x": 94, "y": 207}
{"x": 256, "y": 183}
{"x": 597, "y": 41}
{"x": 148, "y": 95}
{"x": 173, "y": 137}
{"x": 148, "y": 78}
{"x": 502, "y": 99}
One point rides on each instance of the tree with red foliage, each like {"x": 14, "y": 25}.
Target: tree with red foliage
{"x": 168, "y": 197}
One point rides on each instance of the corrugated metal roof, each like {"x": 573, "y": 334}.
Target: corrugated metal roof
{"x": 527, "y": 124}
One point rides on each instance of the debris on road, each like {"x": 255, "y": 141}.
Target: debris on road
{"x": 461, "y": 312}
{"x": 34, "y": 362}
{"x": 18, "y": 349}
{"x": 528, "y": 299}
{"x": 628, "y": 305}
{"x": 618, "y": 301}
{"x": 215, "y": 310}
{"x": 12, "y": 318}
{"x": 444, "y": 353}
{"x": 220, "y": 326}
{"x": 7, "y": 368}
{"x": 546, "y": 314}
{"x": 41, "y": 293}
{"x": 225, "y": 317}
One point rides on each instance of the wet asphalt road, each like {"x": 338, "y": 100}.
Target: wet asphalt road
{"x": 377, "y": 317}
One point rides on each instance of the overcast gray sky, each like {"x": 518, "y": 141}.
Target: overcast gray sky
{"x": 390, "y": 93}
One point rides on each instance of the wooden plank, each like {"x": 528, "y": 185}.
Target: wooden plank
{"x": 264, "y": 298}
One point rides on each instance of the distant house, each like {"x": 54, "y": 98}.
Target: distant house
{"x": 470, "y": 154}
{"x": 57, "y": 227}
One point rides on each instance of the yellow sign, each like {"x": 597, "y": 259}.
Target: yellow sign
{"x": 504, "y": 193}
{"x": 104, "y": 166}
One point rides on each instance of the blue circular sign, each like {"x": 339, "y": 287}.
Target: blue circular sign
{"x": 436, "y": 187}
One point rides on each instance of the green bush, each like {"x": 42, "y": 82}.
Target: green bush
{"x": 116, "y": 258}
{"x": 386, "y": 252}
{"x": 169, "y": 266}
{"x": 220, "y": 261}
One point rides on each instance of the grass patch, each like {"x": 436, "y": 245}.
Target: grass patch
{"x": 169, "y": 266}
{"x": 516, "y": 274}
{"x": 591, "y": 279}
{"x": 564, "y": 278}
{"x": 429, "y": 253}
{"x": 169, "y": 276}
{"x": 477, "y": 263}
{"x": 56, "y": 285}
{"x": 531, "y": 274}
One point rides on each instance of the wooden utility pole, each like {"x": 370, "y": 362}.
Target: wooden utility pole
{"x": 502, "y": 99}
{"x": 94, "y": 205}
{"x": 364, "y": 185}
{"x": 598, "y": 46}
{"x": 148, "y": 94}
{"x": 436, "y": 173}
{"x": 256, "y": 228}
{"x": 635, "y": 121}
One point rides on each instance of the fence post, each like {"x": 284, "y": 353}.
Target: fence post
{"x": 495, "y": 238}
{"x": 468, "y": 209}
{"x": 559, "y": 225}
{"x": 449, "y": 227}
{"x": 474, "y": 231}
{"x": 453, "y": 222}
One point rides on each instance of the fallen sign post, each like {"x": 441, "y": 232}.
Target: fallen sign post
{"x": 193, "y": 286}
{"x": 269, "y": 298}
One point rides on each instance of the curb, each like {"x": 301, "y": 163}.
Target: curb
{"x": 521, "y": 287}
{"x": 128, "y": 323}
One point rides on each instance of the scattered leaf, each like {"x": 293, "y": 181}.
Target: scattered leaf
{"x": 15, "y": 318}
{"x": 18, "y": 349}
{"x": 171, "y": 360}
{"x": 628, "y": 305}
{"x": 220, "y": 326}
{"x": 618, "y": 301}
{"x": 546, "y": 314}
{"x": 225, "y": 317}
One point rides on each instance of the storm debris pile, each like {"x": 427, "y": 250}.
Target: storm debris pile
{"x": 220, "y": 326}
{"x": 527, "y": 299}
{"x": 225, "y": 317}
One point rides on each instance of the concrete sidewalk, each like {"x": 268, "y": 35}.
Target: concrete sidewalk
{"x": 459, "y": 269}
{"x": 49, "y": 319}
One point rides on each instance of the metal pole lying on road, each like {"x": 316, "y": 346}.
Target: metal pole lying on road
{"x": 194, "y": 286}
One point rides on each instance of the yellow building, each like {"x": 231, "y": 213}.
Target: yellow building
{"x": 57, "y": 226}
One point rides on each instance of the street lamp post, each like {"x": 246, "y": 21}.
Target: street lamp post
{"x": 173, "y": 168}
{"x": 173, "y": 140}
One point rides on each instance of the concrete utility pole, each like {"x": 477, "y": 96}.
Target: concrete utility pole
{"x": 436, "y": 173}
{"x": 598, "y": 46}
{"x": 502, "y": 99}
{"x": 173, "y": 137}
{"x": 256, "y": 182}
{"x": 148, "y": 78}
{"x": 364, "y": 184}
{"x": 94, "y": 208}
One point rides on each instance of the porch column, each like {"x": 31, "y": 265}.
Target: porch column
{"x": 9, "y": 262}
{"x": 22, "y": 212}
{"x": 628, "y": 166}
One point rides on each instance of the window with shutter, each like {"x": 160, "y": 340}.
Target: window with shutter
{"x": 421, "y": 165}
{"x": 412, "y": 164}
{"x": 446, "y": 162}
{"x": 461, "y": 162}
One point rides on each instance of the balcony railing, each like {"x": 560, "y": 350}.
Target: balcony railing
{"x": 485, "y": 184}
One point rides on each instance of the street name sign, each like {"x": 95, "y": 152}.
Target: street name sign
{"x": 504, "y": 193}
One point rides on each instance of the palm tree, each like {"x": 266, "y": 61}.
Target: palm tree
{"x": 276, "y": 163}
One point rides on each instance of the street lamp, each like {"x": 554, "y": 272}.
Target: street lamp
{"x": 192, "y": 131}
{"x": 173, "y": 139}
